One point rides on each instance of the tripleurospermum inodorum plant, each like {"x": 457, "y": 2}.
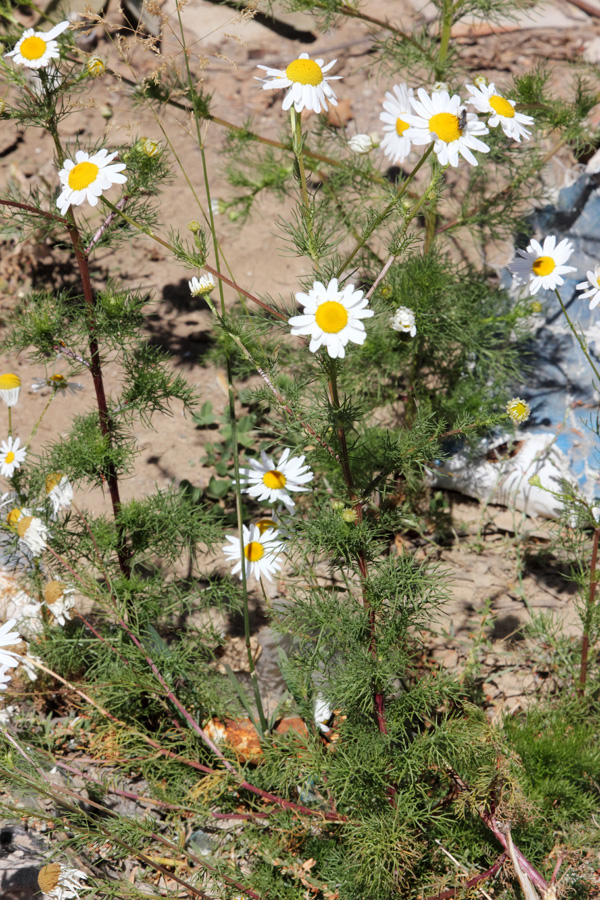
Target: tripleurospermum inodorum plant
{"x": 374, "y": 768}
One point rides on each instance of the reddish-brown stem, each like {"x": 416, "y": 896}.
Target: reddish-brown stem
{"x": 33, "y": 209}
{"x": 585, "y": 641}
{"x": 472, "y": 882}
{"x": 96, "y": 372}
{"x": 492, "y": 823}
{"x": 106, "y": 224}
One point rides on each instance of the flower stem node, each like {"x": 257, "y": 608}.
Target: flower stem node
{"x": 96, "y": 66}
{"x": 10, "y": 388}
{"x": 518, "y": 410}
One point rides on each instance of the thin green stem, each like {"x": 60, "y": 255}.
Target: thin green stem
{"x": 447, "y": 12}
{"x": 307, "y": 209}
{"x": 231, "y": 401}
{"x": 9, "y": 421}
{"x": 37, "y": 424}
{"x": 580, "y": 340}
{"x": 385, "y": 213}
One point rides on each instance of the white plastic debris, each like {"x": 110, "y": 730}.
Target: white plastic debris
{"x": 494, "y": 476}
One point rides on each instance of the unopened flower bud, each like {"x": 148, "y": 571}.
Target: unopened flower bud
{"x": 361, "y": 143}
{"x": 440, "y": 86}
{"x": 150, "y": 147}
{"x": 518, "y": 410}
{"x": 536, "y": 307}
{"x": 535, "y": 481}
{"x": 480, "y": 81}
{"x": 349, "y": 515}
{"x": 337, "y": 505}
{"x": 96, "y": 66}
{"x": 106, "y": 111}
{"x": 194, "y": 226}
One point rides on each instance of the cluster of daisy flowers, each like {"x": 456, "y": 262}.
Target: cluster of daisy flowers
{"x": 408, "y": 120}
{"x": 267, "y": 482}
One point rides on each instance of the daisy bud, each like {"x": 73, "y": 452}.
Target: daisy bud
{"x": 151, "y": 148}
{"x": 337, "y": 505}
{"x": 194, "y": 226}
{"x": 441, "y": 86}
{"x": 536, "y": 307}
{"x": 199, "y": 287}
{"x": 361, "y": 143}
{"x": 518, "y": 410}
{"x": 10, "y": 388}
{"x": 349, "y": 515}
{"x": 403, "y": 320}
{"x": 96, "y": 66}
{"x": 535, "y": 481}
{"x": 480, "y": 81}
{"x": 106, "y": 111}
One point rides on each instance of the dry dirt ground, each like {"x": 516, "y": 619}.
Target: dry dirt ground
{"x": 491, "y": 593}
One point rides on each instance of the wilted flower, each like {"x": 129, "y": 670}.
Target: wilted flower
{"x": 59, "y": 491}
{"x": 60, "y": 882}
{"x": 33, "y": 533}
{"x": 10, "y": 388}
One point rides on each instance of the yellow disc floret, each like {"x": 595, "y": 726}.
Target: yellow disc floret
{"x": 23, "y": 524}
{"x": 48, "y": 877}
{"x": 13, "y": 517}
{"x": 544, "y": 265}
{"x": 53, "y": 591}
{"x": 502, "y": 106}
{"x": 518, "y": 410}
{"x": 401, "y": 127}
{"x": 331, "y": 316}
{"x": 304, "y": 71}
{"x": 82, "y": 175}
{"x": 53, "y": 480}
{"x": 9, "y": 381}
{"x": 33, "y": 47}
{"x": 274, "y": 479}
{"x": 445, "y": 126}
{"x": 264, "y": 524}
{"x": 254, "y": 551}
{"x": 10, "y": 457}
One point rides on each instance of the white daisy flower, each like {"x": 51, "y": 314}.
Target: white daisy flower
{"x": 486, "y": 99}
{"x": 58, "y": 383}
{"x": 59, "y": 491}
{"x": 88, "y": 178}
{"x": 260, "y": 550}
{"x": 28, "y": 663}
{"x": 444, "y": 120}
{"x": 36, "y": 49}
{"x": 199, "y": 287}
{"x": 543, "y": 265}
{"x": 397, "y": 106}
{"x": 591, "y": 287}
{"x": 309, "y": 88}
{"x": 60, "y": 882}
{"x": 404, "y": 320}
{"x": 10, "y": 388}
{"x": 26, "y": 611}
{"x": 6, "y": 712}
{"x": 59, "y": 601}
{"x": 323, "y": 713}
{"x": 33, "y": 533}
{"x": 332, "y": 317}
{"x": 271, "y": 483}
{"x": 9, "y": 658}
{"x": 11, "y": 456}
{"x": 5, "y": 680}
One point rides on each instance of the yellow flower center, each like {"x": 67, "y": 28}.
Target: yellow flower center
{"x": 331, "y": 316}
{"x": 502, "y": 106}
{"x": 53, "y": 480}
{"x": 254, "y": 551}
{"x": 445, "y": 125}
{"x": 9, "y": 381}
{"x": 264, "y": 524}
{"x": 304, "y": 71}
{"x": 274, "y": 479}
{"x": 56, "y": 381}
{"x": 53, "y": 591}
{"x": 32, "y": 47}
{"x": 401, "y": 127}
{"x": 544, "y": 265}
{"x": 23, "y": 524}
{"x": 82, "y": 175}
{"x": 48, "y": 877}
{"x": 10, "y": 456}
{"x": 13, "y": 517}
